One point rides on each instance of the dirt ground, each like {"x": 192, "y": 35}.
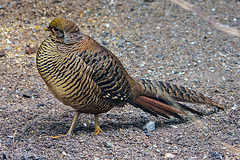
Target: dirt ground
{"x": 154, "y": 40}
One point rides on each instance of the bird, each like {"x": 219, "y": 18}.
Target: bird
{"x": 85, "y": 75}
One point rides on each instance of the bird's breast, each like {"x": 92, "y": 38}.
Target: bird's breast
{"x": 69, "y": 78}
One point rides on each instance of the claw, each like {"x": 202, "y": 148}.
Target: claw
{"x": 97, "y": 130}
{"x": 60, "y": 135}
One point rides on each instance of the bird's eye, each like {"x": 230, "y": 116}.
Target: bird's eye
{"x": 55, "y": 29}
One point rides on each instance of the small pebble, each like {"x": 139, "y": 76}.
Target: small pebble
{"x": 27, "y": 96}
{"x": 173, "y": 126}
{"x": 224, "y": 38}
{"x": 104, "y": 42}
{"x": 149, "y": 127}
{"x": 209, "y": 32}
{"x": 216, "y": 155}
{"x": 51, "y": 102}
{"x": 169, "y": 155}
{"x": 234, "y": 107}
{"x": 174, "y": 72}
{"x": 8, "y": 41}
{"x": 193, "y": 158}
{"x": 193, "y": 42}
{"x": 148, "y": 133}
{"x": 64, "y": 153}
{"x": 107, "y": 144}
{"x": 2, "y": 53}
{"x": 120, "y": 41}
{"x": 196, "y": 80}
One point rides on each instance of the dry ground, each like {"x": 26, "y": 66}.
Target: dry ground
{"x": 155, "y": 40}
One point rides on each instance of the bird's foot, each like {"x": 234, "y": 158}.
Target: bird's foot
{"x": 98, "y": 130}
{"x": 97, "y": 127}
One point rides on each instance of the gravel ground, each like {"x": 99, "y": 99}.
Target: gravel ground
{"x": 154, "y": 40}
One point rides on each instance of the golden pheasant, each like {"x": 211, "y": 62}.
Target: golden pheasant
{"x": 88, "y": 77}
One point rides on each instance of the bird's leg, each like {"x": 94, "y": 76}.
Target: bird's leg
{"x": 97, "y": 127}
{"x": 70, "y": 131}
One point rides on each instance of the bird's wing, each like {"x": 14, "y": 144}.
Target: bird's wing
{"x": 108, "y": 72}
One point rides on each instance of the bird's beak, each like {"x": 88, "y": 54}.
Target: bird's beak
{"x": 46, "y": 29}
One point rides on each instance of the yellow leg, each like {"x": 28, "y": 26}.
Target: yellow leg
{"x": 97, "y": 127}
{"x": 70, "y": 131}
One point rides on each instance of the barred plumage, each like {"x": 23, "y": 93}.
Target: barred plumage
{"x": 86, "y": 76}
{"x": 178, "y": 93}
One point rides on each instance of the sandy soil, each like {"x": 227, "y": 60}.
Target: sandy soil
{"x": 154, "y": 40}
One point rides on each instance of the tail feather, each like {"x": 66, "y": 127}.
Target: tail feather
{"x": 178, "y": 93}
{"x": 156, "y": 107}
{"x": 158, "y": 98}
{"x": 168, "y": 100}
{"x": 147, "y": 108}
{"x": 164, "y": 106}
{"x": 189, "y": 109}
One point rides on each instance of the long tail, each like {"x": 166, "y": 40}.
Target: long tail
{"x": 159, "y": 98}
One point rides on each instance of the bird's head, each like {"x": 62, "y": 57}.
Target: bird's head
{"x": 64, "y": 31}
